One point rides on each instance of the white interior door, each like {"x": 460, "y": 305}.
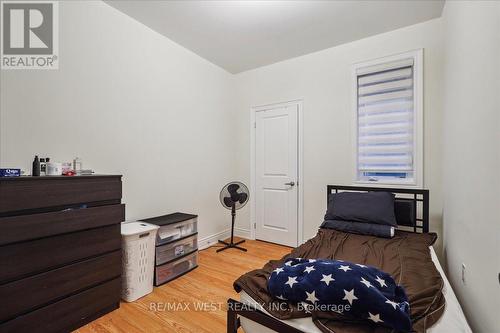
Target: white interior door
{"x": 276, "y": 175}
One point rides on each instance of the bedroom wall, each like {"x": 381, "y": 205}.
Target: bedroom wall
{"x": 472, "y": 157}
{"x": 127, "y": 101}
{"x": 323, "y": 81}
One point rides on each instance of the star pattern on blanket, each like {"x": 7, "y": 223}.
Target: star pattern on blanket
{"x": 345, "y": 268}
{"x": 278, "y": 270}
{"x": 327, "y": 279}
{"x": 291, "y": 281}
{"x": 349, "y": 296}
{"x": 373, "y": 295}
{"x": 375, "y": 318}
{"x": 394, "y": 304}
{"x": 381, "y": 281}
{"x": 365, "y": 282}
{"x": 311, "y": 297}
{"x": 309, "y": 269}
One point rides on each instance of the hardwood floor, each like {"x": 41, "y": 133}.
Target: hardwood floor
{"x": 194, "y": 302}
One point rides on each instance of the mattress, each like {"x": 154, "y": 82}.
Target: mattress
{"x": 452, "y": 320}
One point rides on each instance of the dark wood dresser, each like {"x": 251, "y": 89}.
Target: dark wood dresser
{"x": 60, "y": 251}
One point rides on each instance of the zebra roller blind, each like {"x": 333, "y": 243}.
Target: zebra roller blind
{"x": 386, "y": 122}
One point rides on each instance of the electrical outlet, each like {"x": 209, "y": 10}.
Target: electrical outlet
{"x": 463, "y": 273}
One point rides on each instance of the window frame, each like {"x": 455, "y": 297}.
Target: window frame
{"x": 418, "y": 119}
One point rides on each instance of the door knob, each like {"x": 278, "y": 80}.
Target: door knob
{"x": 290, "y": 184}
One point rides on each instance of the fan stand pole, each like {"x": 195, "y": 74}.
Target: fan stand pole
{"x": 232, "y": 244}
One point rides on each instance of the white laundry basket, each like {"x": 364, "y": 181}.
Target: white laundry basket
{"x": 138, "y": 259}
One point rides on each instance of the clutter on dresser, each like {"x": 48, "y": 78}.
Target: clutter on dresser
{"x": 53, "y": 169}
{"x": 176, "y": 250}
{"x": 77, "y": 165}
{"x": 45, "y": 167}
{"x": 35, "y": 168}
{"x": 9, "y": 172}
{"x": 66, "y": 168}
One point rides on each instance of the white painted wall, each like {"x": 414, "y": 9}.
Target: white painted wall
{"x": 127, "y": 101}
{"x": 471, "y": 160}
{"x": 323, "y": 81}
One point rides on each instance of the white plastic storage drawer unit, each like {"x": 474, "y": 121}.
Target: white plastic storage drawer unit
{"x": 171, "y": 270}
{"x": 176, "y": 249}
{"x": 174, "y": 226}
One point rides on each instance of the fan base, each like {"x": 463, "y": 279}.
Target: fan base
{"x": 231, "y": 245}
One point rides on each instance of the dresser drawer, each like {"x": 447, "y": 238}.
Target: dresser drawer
{"x": 27, "y": 258}
{"x": 26, "y": 227}
{"x": 41, "y": 192}
{"x": 69, "y": 313}
{"x": 35, "y": 291}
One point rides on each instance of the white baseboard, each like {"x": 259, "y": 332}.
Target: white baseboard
{"x": 208, "y": 241}
{"x": 243, "y": 233}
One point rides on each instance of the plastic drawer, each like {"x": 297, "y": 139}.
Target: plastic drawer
{"x": 171, "y": 270}
{"x": 170, "y": 232}
{"x": 171, "y": 251}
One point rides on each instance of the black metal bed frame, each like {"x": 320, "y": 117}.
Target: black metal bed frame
{"x": 416, "y": 223}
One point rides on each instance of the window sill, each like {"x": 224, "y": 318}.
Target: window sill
{"x": 389, "y": 184}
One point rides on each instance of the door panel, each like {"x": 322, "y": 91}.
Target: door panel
{"x": 276, "y": 175}
{"x": 275, "y": 203}
{"x": 276, "y": 146}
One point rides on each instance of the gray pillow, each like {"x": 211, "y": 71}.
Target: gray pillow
{"x": 367, "y": 207}
{"x": 362, "y": 228}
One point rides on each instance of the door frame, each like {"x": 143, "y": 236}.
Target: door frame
{"x": 253, "y": 165}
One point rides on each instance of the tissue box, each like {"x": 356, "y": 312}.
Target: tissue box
{"x": 10, "y": 172}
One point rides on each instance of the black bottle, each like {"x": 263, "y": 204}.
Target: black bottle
{"x": 36, "y": 167}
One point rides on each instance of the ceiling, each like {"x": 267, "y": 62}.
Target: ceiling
{"x": 242, "y": 35}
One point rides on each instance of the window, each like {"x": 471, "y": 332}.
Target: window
{"x": 388, "y": 126}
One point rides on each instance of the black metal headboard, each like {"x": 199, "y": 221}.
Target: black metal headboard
{"x": 411, "y": 206}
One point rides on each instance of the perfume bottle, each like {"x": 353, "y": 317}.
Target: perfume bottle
{"x": 77, "y": 165}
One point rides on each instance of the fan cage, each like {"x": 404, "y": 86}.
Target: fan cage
{"x": 241, "y": 189}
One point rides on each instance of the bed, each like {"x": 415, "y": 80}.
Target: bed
{"x": 442, "y": 313}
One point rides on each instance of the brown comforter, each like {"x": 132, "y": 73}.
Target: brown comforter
{"x": 406, "y": 257}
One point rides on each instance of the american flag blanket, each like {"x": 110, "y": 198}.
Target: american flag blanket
{"x": 359, "y": 291}
{"x": 406, "y": 257}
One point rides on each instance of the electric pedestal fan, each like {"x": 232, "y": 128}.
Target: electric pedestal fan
{"x": 233, "y": 196}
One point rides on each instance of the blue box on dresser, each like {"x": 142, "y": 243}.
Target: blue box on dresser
{"x": 6, "y": 172}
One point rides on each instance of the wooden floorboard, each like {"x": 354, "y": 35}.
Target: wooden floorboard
{"x": 211, "y": 284}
